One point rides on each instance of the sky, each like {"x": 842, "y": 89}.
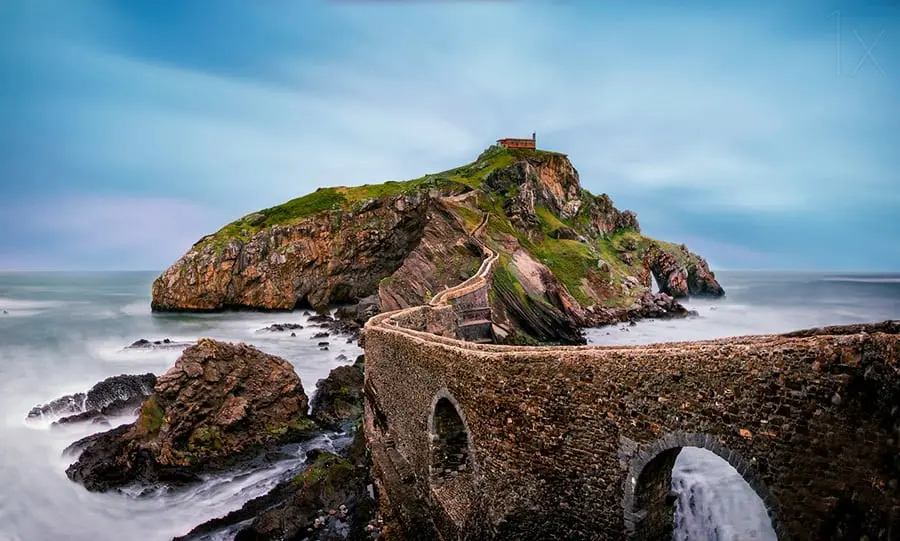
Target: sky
{"x": 764, "y": 135}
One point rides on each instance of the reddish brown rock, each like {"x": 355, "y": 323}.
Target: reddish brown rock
{"x": 444, "y": 257}
{"x": 218, "y": 403}
{"x": 330, "y": 258}
{"x": 680, "y": 272}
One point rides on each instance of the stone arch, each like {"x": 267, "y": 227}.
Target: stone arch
{"x": 452, "y": 470}
{"x": 648, "y": 504}
{"x": 450, "y": 440}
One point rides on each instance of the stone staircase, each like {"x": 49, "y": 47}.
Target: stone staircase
{"x": 470, "y": 299}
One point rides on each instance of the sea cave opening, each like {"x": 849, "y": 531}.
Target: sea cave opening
{"x": 689, "y": 493}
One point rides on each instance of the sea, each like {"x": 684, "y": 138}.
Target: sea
{"x": 61, "y": 333}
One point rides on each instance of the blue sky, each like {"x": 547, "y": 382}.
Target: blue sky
{"x": 762, "y": 135}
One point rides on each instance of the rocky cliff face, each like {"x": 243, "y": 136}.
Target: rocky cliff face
{"x": 444, "y": 257}
{"x": 550, "y": 182}
{"x": 568, "y": 258}
{"x": 331, "y": 257}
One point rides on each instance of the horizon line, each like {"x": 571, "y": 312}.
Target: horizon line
{"x": 818, "y": 271}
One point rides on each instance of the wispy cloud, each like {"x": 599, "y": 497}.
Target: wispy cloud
{"x": 117, "y": 232}
{"x": 674, "y": 113}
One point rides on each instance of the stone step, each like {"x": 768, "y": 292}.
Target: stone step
{"x": 476, "y": 323}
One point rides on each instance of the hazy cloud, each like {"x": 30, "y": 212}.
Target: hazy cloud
{"x": 681, "y": 116}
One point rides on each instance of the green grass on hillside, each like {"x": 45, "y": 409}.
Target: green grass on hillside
{"x": 506, "y": 278}
{"x": 393, "y": 188}
{"x": 570, "y": 261}
{"x": 470, "y": 217}
{"x": 549, "y": 222}
{"x": 322, "y": 200}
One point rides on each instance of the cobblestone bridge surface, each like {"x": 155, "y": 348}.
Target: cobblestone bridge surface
{"x": 480, "y": 441}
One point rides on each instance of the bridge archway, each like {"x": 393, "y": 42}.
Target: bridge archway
{"x": 450, "y": 440}
{"x": 452, "y": 469}
{"x": 649, "y": 503}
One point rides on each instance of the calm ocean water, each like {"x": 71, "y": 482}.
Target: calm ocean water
{"x": 63, "y": 332}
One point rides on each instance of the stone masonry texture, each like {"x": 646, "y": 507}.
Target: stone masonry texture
{"x": 577, "y": 442}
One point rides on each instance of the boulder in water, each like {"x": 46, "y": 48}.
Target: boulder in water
{"x": 338, "y": 398}
{"x": 83, "y": 417}
{"x": 220, "y": 403}
{"x": 360, "y": 312}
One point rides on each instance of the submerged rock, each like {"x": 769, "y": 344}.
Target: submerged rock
{"x": 219, "y": 403}
{"x": 115, "y": 395}
{"x": 94, "y": 416}
{"x": 165, "y": 343}
{"x": 281, "y": 327}
{"x": 658, "y": 305}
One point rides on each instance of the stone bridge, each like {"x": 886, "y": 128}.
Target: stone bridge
{"x": 481, "y": 441}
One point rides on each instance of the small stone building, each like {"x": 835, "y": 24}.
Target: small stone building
{"x": 519, "y": 143}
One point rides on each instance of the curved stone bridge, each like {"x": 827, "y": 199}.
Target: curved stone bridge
{"x": 479, "y": 441}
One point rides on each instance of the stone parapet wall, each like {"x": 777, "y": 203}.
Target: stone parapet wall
{"x": 441, "y": 321}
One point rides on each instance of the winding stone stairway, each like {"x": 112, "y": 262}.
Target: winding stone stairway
{"x": 470, "y": 298}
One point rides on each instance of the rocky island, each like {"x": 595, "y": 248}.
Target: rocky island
{"x": 567, "y": 258}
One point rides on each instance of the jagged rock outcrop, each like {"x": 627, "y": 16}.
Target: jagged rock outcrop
{"x": 333, "y": 257}
{"x": 117, "y": 395}
{"x": 338, "y": 398}
{"x": 550, "y": 181}
{"x": 670, "y": 274}
{"x": 681, "y": 273}
{"x": 217, "y": 404}
{"x": 444, "y": 257}
{"x": 327, "y": 500}
{"x": 530, "y": 298}
{"x": 601, "y": 218}
{"x": 546, "y": 180}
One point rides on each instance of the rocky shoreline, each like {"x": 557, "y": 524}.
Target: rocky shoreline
{"x": 224, "y": 406}
{"x": 565, "y": 260}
